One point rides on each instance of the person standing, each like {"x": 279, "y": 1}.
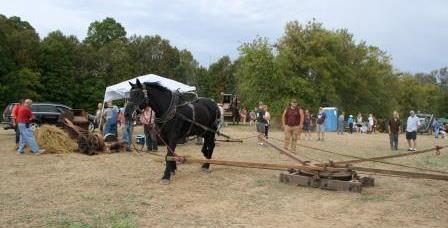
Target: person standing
{"x": 436, "y": 125}
{"x": 371, "y": 122}
{"x": 411, "y": 130}
{"x": 15, "y": 117}
{"x": 375, "y": 123}
{"x": 267, "y": 117}
{"x": 98, "y": 117}
{"x": 292, "y": 120}
{"x": 243, "y": 114}
{"x": 341, "y": 121}
{"x": 128, "y": 116}
{"x": 26, "y": 134}
{"x": 120, "y": 118}
{"x": 350, "y": 123}
{"x": 111, "y": 116}
{"x": 307, "y": 124}
{"x": 261, "y": 123}
{"x": 394, "y": 130}
{"x": 147, "y": 118}
{"x": 252, "y": 116}
{"x": 221, "y": 116}
{"x": 359, "y": 123}
{"x": 320, "y": 124}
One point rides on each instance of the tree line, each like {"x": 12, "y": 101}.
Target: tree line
{"x": 315, "y": 65}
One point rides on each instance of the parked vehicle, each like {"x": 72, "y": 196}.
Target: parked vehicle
{"x": 43, "y": 113}
{"x": 7, "y": 116}
{"x": 426, "y": 121}
{"x": 231, "y": 106}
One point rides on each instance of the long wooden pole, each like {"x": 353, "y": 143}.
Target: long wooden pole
{"x": 259, "y": 165}
{"x": 402, "y": 173}
{"x": 275, "y": 166}
{"x": 286, "y": 152}
{"x": 383, "y": 157}
{"x": 375, "y": 159}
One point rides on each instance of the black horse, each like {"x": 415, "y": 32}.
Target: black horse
{"x": 177, "y": 121}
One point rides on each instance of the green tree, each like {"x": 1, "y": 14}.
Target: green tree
{"x": 256, "y": 75}
{"x": 58, "y": 70}
{"x": 19, "y": 43}
{"x": 102, "y": 32}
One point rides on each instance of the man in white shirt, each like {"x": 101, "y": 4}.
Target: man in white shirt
{"x": 370, "y": 123}
{"x": 411, "y": 130}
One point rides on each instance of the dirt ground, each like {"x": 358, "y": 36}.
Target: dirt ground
{"x": 123, "y": 190}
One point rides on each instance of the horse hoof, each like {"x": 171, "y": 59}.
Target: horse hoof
{"x": 205, "y": 170}
{"x": 164, "y": 182}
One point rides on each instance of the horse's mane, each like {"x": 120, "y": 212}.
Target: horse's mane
{"x": 157, "y": 85}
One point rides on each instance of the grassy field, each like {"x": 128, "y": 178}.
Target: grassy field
{"x": 123, "y": 190}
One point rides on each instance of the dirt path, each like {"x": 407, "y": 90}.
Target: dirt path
{"x": 122, "y": 190}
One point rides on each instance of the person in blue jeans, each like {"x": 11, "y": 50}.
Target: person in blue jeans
{"x": 26, "y": 134}
{"x": 341, "y": 120}
{"x": 128, "y": 125}
{"x": 436, "y": 126}
{"x": 350, "y": 123}
{"x": 111, "y": 116}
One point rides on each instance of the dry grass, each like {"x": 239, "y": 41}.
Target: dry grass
{"x": 122, "y": 190}
{"x": 54, "y": 140}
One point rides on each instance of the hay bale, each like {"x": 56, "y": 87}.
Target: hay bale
{"x": 54, "y": 140}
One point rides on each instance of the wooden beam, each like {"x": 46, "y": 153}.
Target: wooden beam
{"x": 286, "y": 152}
{"x": 402, "y": 173}
{"x": 259, "y": 165}
{"x": 382, "y": 157}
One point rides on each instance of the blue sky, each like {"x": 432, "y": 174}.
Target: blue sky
{"x": 414, "y": 33}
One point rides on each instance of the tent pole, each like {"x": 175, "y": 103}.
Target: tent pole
{"x": 101, "y": 118}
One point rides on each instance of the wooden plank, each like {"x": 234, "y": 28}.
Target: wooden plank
{"x": 402, "y": 173}
{"x": 382, "y": 157}
{"x": 259, "y": 165}
{"x": 286, "y": 152}
{"x": 374, "y": 159}
{"x": 322, "y": 183}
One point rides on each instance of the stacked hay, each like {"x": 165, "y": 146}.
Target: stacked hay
{"x": 54, "y": 140}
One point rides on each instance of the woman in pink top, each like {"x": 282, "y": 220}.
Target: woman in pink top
{"x": 147, "y": 118}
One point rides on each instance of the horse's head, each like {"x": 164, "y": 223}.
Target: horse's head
{"x": 139, "y": 95}
{"x": 151, "y": 94}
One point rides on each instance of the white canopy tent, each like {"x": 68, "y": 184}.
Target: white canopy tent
{"x": 121, "y": 90}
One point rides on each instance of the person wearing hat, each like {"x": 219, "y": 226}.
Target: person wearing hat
{"x": 350, "y": 123}
{"x": 292, "y": 120}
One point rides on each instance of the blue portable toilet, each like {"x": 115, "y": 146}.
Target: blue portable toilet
{"x": 331, "y": 121}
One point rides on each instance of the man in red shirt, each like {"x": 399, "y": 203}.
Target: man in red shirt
{"x": 292, "y": 121}
{"x": 26, "y": 134}
{"x": 15, "y": 116}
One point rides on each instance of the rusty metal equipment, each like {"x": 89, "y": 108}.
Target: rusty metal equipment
{"x": 88, "y": 143}
{"x": 343, "y": 179}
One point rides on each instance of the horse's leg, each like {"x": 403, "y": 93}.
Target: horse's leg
{"x": 207, "y": 149}
{"x": 170, "y": 167}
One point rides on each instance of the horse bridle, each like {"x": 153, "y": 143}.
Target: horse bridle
{"x": 170, "y": 112}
